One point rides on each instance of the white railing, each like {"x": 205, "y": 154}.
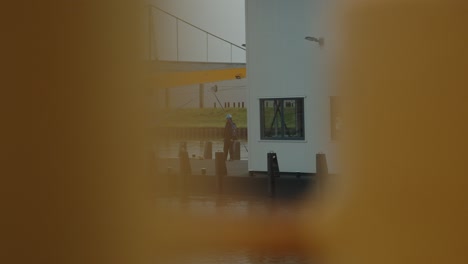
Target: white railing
{"x": 174, "y": 39}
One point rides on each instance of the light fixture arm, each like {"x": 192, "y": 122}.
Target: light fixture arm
{"x": 320, "y": 41}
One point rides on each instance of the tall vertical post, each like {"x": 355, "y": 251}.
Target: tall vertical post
{"x": 184, "y": 167}
{"x": 208, "y": 150}
{"x": 177, "y": 38}
{"x": 201, "y": 94}
{"x": 273, "y": 171}
{"x": 150, "y": 33}
{"x": 220, "y": 170}
{"x": 321, "y": 173}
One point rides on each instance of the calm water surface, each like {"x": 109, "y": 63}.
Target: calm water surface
{"x": 235, "y": 206}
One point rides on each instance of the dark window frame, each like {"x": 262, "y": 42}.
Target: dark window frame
{"x": 299, "y": 103}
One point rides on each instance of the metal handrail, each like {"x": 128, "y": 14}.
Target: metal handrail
{"x": 190, "y": 24}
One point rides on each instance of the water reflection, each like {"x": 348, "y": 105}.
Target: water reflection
{"x": 249, "y": 257}
{"x": 234, "y": 207}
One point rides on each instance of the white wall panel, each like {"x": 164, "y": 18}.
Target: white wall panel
{"x": 218, "y": 50}
{"x": 281, "y": 63}
{"x": 165, "y": 36}
{"x": 238, "y": 55}
{"x": 192, "y": 43}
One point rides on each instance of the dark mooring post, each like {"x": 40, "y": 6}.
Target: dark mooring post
{"x": 185, "y": 170}
{"x": 220, "y": 170}
{"x": 321, "y": 173}
{"x": 236, "y": 150}
{"x": 273, "y": 172}
{"x": 208, "y": 150}
{"x": 182, "y": 147}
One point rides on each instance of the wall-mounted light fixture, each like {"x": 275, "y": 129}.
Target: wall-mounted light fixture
{"x": 320, "y": 41}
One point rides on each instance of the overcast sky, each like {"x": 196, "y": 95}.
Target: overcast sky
{"x": 223, "y": 18}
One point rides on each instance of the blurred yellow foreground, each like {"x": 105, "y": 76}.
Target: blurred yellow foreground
{"x": 74, "y": 142}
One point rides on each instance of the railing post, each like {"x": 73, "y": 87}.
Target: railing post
{"x": 177, "y": 38}
{"x": 178, "y": 20}
{"x": 150, "y": 33}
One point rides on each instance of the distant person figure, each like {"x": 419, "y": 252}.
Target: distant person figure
{"x": 230, "y": 134}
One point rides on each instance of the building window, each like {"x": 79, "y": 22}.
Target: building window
{"x": 282, "y": 119}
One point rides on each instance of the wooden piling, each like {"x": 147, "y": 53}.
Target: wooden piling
{"x": 321, "y": 173}
{"x": 273, "y": 172}
{"x": 185, "y": 171}
{"x": 220, "y": 170}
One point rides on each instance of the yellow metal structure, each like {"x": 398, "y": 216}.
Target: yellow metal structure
{"x": 168, "y": 79}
